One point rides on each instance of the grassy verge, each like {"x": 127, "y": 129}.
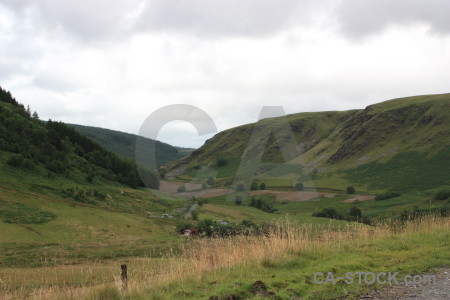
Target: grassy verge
{"x": 285, "y": 261}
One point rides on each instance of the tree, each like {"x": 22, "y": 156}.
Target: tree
{"x": 210, "y": 181}
{"x": 262, "y": 186}
{"x": 220, "y": 162}
{"x": 238, "y": 200}
{"x": 254, "y": 186}
{"x": 240, "y": 187}
{"x": 350, "y": 190}
{"x": 35, "y": 116}
{"x": 299, "y": 186}
{"x": 355, "y": 212}
{"x": 181, "y": 189}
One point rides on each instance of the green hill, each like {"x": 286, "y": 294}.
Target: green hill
{"x": 124, "y": 144}
{"x": 401, "y": 144}
{"x": 65, "y": 196}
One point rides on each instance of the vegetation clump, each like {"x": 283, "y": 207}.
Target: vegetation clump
{"x": 442, "y": 195}
{"x": 299, "y": 186}
{"x": 262, "y": 204}
{"x": 386, "y": 196}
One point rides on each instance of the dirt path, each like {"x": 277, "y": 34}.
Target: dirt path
{"x": 292, "y": 196}
{"x": 440, "y": 290}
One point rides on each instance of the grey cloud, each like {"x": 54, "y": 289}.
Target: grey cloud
{"x": 224, "y": 17}
{"x": 359, "y": 18}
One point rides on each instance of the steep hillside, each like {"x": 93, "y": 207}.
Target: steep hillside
{"x": 55, "y": 149}
{"x": 124, "y": 144}
{"x": 400, "y": 144}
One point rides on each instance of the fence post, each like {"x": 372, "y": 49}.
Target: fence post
{"x": 124, "y": 276}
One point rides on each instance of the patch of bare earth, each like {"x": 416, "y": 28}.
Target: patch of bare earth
{"x": 359, "y": 198}
{"x": 206, "y": 193}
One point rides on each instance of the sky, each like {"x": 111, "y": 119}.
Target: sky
{"x": 113, "y": 63}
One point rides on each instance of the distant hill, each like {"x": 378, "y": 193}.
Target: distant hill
{"x": 401, "y": 144}
{"x": 55, "y": 149}
{"x": 123, "y": 144}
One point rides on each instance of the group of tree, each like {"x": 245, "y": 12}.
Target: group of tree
{"x": 262, "y": 204}
{"x": 354, "y": 214}
{"x": 58, "y": 148}
{"x": 210, "y": 228}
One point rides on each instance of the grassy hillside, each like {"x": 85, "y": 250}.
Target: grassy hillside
{"x": 124, "y": 144}
{"x": 401, "y": 144}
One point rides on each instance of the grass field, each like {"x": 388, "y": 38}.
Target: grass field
{"x": 285, "y": 261}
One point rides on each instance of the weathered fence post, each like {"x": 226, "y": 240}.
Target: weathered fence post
{"x": 124, "y": 276}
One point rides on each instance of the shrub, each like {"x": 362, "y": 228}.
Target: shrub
{"x": 299, "y": 186}
{"x": 181, "y": 189}
{"x": 210, "y": 181}
{"x": 442, "y": 195}
{"x": 254, "y": 186}
{"x": 221, "y": 162}
{"x": 385, "y": 196}
{"x": 238, "y": 200}
{"x": 262, "y": 186}
{"x": 355, "y": 212}
{"x": 240, "y": 187}
{"x": 330, "y": 213}
{"x": 350, "y": 190}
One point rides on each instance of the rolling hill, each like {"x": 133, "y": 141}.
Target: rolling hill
{"x": 401, "y": 144}
{"x": 124, "y": 144}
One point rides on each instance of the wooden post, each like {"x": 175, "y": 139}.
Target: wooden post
{"x": 124, "y": 276}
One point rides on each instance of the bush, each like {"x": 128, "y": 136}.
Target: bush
{"x": 330, "y": 213}
{"x": 262, "y": 186}
{"x": 350, "y": 190}
{"x": 181, "y": 189}
{"x": 299, "y": 186}
{"x": 19, "y": 161}
{"x": 221, "y": 162}
{"x": 442, "y": 195}
{"x": 254, "y": 186}
{"x": 240, "y": 187}
{"x": 238, "y": 200}
{"x": 210, "y": 181}
{"x": 385, "y": 196}
{"x": 355, "y": 212}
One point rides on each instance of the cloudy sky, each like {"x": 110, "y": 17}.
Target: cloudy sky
{"x": 112, "y": 63}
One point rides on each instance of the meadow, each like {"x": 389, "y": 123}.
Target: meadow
{"x": 285, "y": 260}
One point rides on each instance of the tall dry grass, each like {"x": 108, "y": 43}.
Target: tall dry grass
{"x": 201, "y": 256}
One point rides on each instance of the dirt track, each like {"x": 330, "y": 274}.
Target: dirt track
{"x": 439, "y": 290}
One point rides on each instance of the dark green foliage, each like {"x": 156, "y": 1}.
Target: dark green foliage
{"x": 262, "y": 186}
{"x": 386, "y": 196}
{"x": 354, "y": 215}
{"x": 240, "y": 187}
{"x": 350, "y": 190}
{"x": 442, "y": 195}
{"x": 181, "y": 189}
{"x": 238, "y": 200}
{"x": 408, "y": 215}
{"x": 330, "y": 213}
{"x": 20, "y": 162}
{"x": 124, "y": 144}
{"x": 57, "y": 147}
{"x": 18, "y": 213}
{"x": 210, "y": 181}
{"x": 355, "y": 212}
{"x": 221, "y": 162}
{"x": 262, "y": 204}
{"x": 299, "y": 186}
{"x": 212, "y": 228}
{"x": 254, "y": 186}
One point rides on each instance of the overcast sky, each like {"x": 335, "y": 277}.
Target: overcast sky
{"x": 112, "y": 63}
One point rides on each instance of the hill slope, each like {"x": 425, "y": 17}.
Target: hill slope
{"x": 398, "y": 144}
{"x": 124, "y": 144}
